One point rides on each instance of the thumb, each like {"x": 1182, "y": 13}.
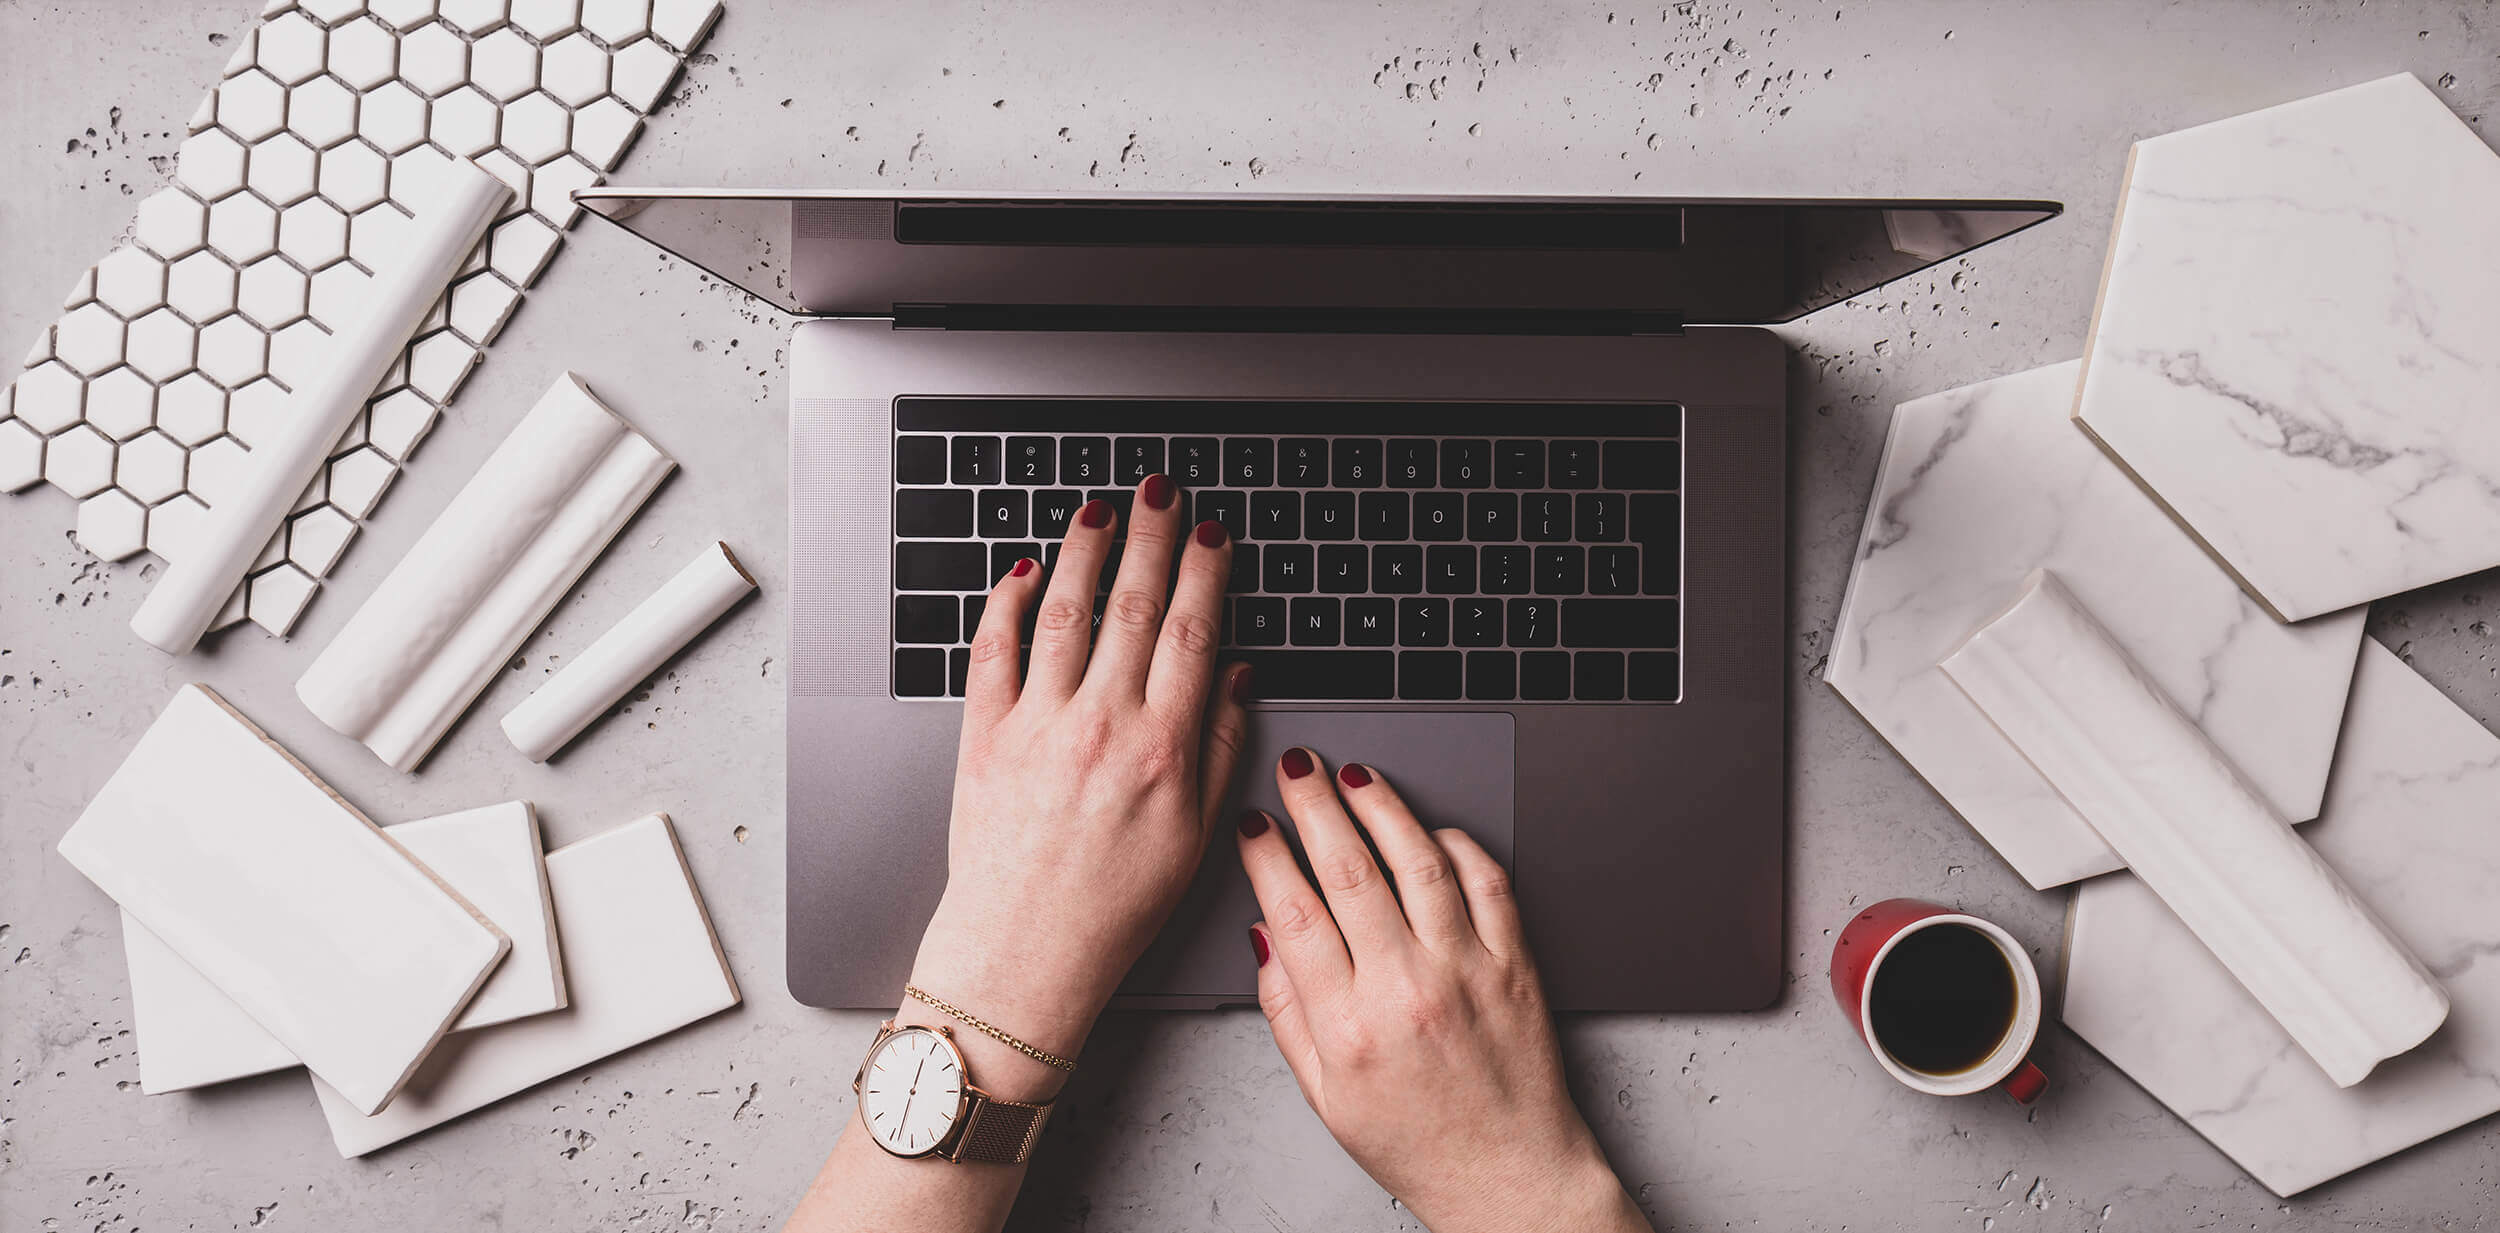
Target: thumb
{"x": 1285, "y": 1020}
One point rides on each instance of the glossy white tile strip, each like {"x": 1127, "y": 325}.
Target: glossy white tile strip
{"x": 435, "y": 631}
{"x": 319, "y": 926}
{"x": 2191, "y": 828}
{"x": 2410, "y": 823}
{"x": 629, "y": 651}
{"x": 220, "y": 552}
{"x": 640, "y": 961}
{"x": 191, "y": 1035}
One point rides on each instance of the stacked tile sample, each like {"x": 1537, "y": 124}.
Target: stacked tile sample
{"x": 2297, "y": 338}
{"x": 1982, "y": 485}
{"x": 177, "y": 352}
{"x": 2410, "y": 823}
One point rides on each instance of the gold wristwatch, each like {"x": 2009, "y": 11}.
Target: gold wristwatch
{"x": 915, "y": 1099}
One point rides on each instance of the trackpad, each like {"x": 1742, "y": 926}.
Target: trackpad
{"x": 1453, "y": 769}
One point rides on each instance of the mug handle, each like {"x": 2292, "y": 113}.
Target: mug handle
{"x": 2026, "y": 1083}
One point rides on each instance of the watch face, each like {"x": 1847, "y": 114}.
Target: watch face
{"x": 912, "y": 1091}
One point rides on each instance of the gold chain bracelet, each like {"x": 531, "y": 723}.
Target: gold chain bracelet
{"x": 984, "y": 1027}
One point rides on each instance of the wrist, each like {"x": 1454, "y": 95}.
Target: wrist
{"x": 1574, "y": 1190}
{"x": 985, "y": 977}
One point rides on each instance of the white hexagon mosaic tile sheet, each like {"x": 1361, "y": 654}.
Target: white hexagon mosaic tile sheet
{"x": 173, "y": 353}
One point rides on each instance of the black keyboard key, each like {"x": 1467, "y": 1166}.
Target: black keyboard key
{"x": 1121, "y": 500}
{"x": 1197, "y": 462}
{"x": 1477, "y": 621}
{"x": 1533, "y": 622}
{"x": 1597, "y": 517}
{"x": 1382, "y": 516}
{"x": 1302, "y": 462}
{"x": 1275, "y": 515}
{"x": 1135, "y": 458}
{"x": 1371, "y": 622}
{"x": 960, "y": 566}
{"x": 1643, "y": 466}
{"x": 1328, "y": 515}
{"x": 1440, "y": 516}
{"x": 1492, "y": 676}
{"x": 1003, "y": 557}
{"x": 1245, "y": 577}
{"x": 1430, "y": 676}
{"x": 1519, "y": 464}
{"x": 1052, "y": 508}
{"x": 926, "y": 618}
{"x": 1493, "y": 516}
{"x": 1504, "y": 570}
{"x": 958, "y": 670}
{"x": 1085, "y": 460}
{"x": 1321, "y": 676}
{"x": 1573, "y": 464}
{"x": 920, "y": 460}
{"x": 932, "y": 513}
{"x": 1315, "y": 622}
{"x": 1466, "y": 464}
{"x": 1249, "y": 462}
{"x": 1597, "y": 676}
{"x": 1289, "y": 570}
{"x": 1561, "y": 571}
{"x": 1354, "y": 462}
{"x": 1032, "y": 460}
{"x": 1658, "y": 527}
{"x": 1259, "y": 621}
{"x": 1413, "y": 464}
{"x": 1110, "y": 571}
{"x": 974, "y": 606}
{"x": 1423, "y": 622}
{"x": 1229, "y": 508}
{"x": 1344, "y": 569}
{"x": 1633, "y": 623}
{"x": 1614, "y": 571}
{"x": 1002, "y": 513}
{"x": 1545, "y": 676}
{"x": 1450, "y": 569}
{"x": 920, "y": 672}
{"x": 1545, "y": 517}
{"x": 1398, "y": 569}
{"x": 977, "y": 461}
{"x": 1653, "y": 676}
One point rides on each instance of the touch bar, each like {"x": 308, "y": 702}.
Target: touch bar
{"x": 1371, "y": 419}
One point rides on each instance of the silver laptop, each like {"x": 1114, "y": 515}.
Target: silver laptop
{"x": 1507, "y": 477}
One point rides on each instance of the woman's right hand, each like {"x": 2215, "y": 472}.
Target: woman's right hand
{"x": 1406, "y": 1005}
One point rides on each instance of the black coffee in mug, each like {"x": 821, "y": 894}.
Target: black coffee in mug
{"x": 1943, "y": 999}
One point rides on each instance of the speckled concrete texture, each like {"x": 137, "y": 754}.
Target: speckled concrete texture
{"x": 1773, "y": 1120}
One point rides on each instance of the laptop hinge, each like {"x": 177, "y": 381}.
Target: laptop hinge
{"x": 1091, "y": 318}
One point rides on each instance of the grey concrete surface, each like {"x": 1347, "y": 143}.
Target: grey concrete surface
{"x": 1184, "y": 1121}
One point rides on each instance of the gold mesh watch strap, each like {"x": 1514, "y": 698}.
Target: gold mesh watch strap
{"x": 1000, "y": 1131}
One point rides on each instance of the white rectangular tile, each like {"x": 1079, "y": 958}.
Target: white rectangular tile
{"x": 320, "y": 927}
{"x": 640, "y": 961}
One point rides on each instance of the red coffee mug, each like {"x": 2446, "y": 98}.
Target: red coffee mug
{"x": 1858, "y": 960}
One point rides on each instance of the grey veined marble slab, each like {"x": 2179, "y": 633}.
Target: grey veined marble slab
{"x": 2297, "y": 347}
{"x": 2412, "y": 822}
{"x": 1978, "y": 487}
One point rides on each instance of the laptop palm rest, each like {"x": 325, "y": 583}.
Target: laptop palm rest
{"x": 1452, "y": 768}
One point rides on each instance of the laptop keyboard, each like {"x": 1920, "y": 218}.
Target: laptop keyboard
{"x": 1382, "y": 551}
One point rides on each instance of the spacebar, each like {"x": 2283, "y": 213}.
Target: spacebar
{"x": 1319, "y": 675}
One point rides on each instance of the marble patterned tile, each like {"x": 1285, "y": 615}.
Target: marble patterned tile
{"x": 1978, "y": 487}
{"x": 2296, "y": 338}
{"x": 288, "y": 190}
{"x": 2409, "y": 823}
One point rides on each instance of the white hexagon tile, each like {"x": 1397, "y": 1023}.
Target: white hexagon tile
{"x": 177, "y": 350}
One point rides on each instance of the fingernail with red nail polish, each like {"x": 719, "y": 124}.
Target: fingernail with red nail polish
{"x": 1211, "y": 533}
{"x": 1297, "y": 762}
{"x": 1095, "y": 513}
{"x": 1158, "y": 491}
{"x": 1258, "y": 946}
{"x": 1022, "y": 568}
{"x": 1354, "y": 776}
{"x": 1241, "y": 685}
{"x": 1253, "y": 823}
